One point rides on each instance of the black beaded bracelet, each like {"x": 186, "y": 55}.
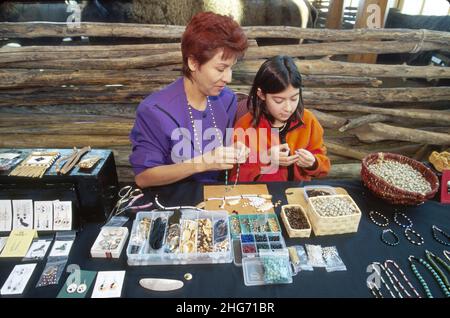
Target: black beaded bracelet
{"x": 372, "y": 218}
{"x": 397, "y": 240}
{"x": 407, "y": 230}
{"x": 435, "y": 229}
{"x": 405, "y": 217}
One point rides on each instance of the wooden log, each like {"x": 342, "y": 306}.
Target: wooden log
{"x": 18, "y": 78}
{"x": 135, "y": 62}
{"x": 360, "y": 121}
{"x": 75, "y": 49}
{"x": 135, "y": 93}
{"x": 55, "y": 141}
{"x": 174, "y": 57}
{"x": 72, "y": 129}
{"x": 442, "y": 117}
{"x": 125, "y": 110}
{"x": 325, "y": 66}
{"x": 39, "y": 119}
{"x": 327, "y": 120}
{"x": 349, "y": 170}
{"x": 344, "y": 150}
{"x": 337, "y": 48}
{"x": 95, "y": 29}
{"x": 12, "y": 56}
{"x": 377, "y": 131}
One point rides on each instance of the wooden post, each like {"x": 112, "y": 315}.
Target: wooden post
{"x": 371, "y": 15}
{"x": 335, "y": 10}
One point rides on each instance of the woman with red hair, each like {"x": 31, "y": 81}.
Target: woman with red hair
{"x": 168, "y": 134}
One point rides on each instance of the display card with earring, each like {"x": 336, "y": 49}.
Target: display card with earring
{"x": 5, "y": 215}
{"x": 77, "y": 284}
{"x": 62, "y": 215}
{"x": 43, "y": 215}
{"x": 108, "y": 284}
{"x": 23, "y": 214}
{"x": 18, "y": 279}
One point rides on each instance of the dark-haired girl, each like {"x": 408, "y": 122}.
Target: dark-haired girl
{"x": 285, "y": 139}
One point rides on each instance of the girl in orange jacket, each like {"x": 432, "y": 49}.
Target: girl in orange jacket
{"x": 284, "y": 138}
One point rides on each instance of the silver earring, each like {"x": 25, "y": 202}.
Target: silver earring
{"x": 82, "y": 288}
{"x": 72, "y": 288}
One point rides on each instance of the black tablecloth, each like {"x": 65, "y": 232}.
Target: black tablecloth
{"x": 357, "y": 251}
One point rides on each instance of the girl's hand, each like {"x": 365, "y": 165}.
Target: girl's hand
{"x": 280, "y": 155}
{"x": 305, "y": 158}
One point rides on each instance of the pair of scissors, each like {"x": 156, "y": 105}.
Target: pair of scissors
{"x": 127, "y": 196}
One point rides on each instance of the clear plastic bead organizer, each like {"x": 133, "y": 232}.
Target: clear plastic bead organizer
{"x": 197, "y": 237}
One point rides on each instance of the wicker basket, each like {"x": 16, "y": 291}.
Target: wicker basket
{"x": 327, "y": 225}
{"x": 390, "y": 193}
{"x": 295, "y": 232}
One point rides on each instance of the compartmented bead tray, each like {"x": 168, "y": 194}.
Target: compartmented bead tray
{"x": 253, "y": 223}
{"x": 198, "y": 237}
{"x": 253, "y": 243}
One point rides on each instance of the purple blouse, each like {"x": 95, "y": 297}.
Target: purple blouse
{"x": 163, "y": 132}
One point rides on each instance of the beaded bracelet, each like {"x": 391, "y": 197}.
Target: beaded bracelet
{"x": 371, "y": 213}
{"x": 407, "y": 230}
{"x": 436, "y": 276}
{"x": 386, "y": 265}
{"x": 435, "y": 229}
{"x": 397, "y": 240}
{"x": 405, "y": 217}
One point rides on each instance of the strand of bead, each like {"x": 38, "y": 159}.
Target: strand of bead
{"x": 447, "y": 255}
{"x": 435, "y": 229}
{"x": 375, "y": 291}
{"x": 436, "y": 276}
{"x": 402, "y": 274}
{"x": 372, "y": 218}
{"x": 419, "y": 277}
{"x": 431, "y": 257}
{"x": 388, "y": 274}
{"x": 381, "y": 277}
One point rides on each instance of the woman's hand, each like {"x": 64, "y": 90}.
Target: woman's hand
{"x": 305, "y": 158}
{"x": 279, "y": 154}
{"x": 223, "y": 158}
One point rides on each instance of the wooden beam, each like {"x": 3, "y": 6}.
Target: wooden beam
{"x": 334, "y": 18}
{"x": 371, "y": 14}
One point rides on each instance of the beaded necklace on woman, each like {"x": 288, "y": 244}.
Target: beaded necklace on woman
{"x": 219, "y": 137}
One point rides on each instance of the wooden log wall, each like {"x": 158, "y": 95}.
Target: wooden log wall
{"x": 77, "y": 95}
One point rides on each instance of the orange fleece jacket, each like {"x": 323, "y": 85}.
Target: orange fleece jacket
{"x": 306, "y": 134}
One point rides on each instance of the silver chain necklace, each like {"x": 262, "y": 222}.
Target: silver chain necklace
{"x": 219, "y": 136}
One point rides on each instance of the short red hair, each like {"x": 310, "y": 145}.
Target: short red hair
{"x": 206, "y": 33}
